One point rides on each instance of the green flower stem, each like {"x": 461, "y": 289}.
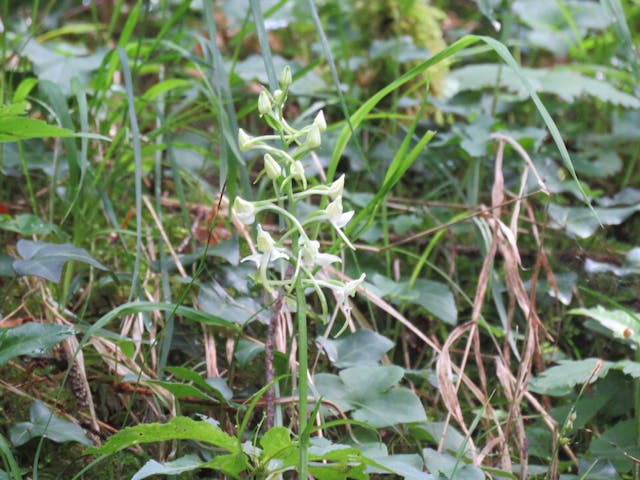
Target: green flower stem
{"x": 303, "y": 365}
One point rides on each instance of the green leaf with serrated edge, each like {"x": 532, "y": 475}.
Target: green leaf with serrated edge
{"x": 13, "y": 109}
{"x": 13, "y": 129}
{"x": 31, "y": 339}
{"x": 567, "y": 374}
{"x": 360, "y": 348}
{"x": 621, "y": 324}
{"x": 277, "y": 443}
{"x": 42, "y": 422}
{"x": 47, "y": 259}
{"x": 178, "y": 428}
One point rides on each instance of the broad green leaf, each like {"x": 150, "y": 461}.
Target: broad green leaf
{"x": 180, "y": 390}
{"x": 239, "y": 310}
{"x": 246, "y": 351}
{"x": 453, "y": 441}
{"x": 566, "y": 84}
{"x": 621, "y": 324}
{"x": 560, "y": 379}
{"x": 398, "y": 405}
{"x": 175, "y": 467}
{"x": 618, "y": 445}
{"x": 178, "y": 428}
{"x": 30, "y": 339}
{"x": 231, "y": 464}
{"x": 277, "y": 444}
{"x": 630, "y": 266}
{"x": 435, "y": 297}
{"x": 25, "y": 224}
{"x": 581, "y": 221}
{"x": 628, "y": 367}
{"x": 218, "y": 386}
{"x": 16, "y": 128}
{"x": 370, "y": 393}
{"x": 360, "y": 348}
{"x": 47, "y": 259}
{"x": 444, "y": 465}
{"x": 44, "y": 423}
{"x": 408, "y": 466}
{"x": 334, "y": 461}
{"x": 58, "y": 68}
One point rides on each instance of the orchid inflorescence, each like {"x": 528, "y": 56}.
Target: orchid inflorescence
{"x": 284, "y": 167}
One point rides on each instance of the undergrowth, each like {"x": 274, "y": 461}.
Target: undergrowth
{"x": 334, "y": 239}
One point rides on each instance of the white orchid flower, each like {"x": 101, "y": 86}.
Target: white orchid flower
{"x": 311, "y": 255}
{"x": 244, "y": 210}
{"x": 267, "y": 253}
{"x": 336, "y": 216}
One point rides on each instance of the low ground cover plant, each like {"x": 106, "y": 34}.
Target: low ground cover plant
{"x": 326, "y": 240}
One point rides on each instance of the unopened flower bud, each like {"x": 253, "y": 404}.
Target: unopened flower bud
{"x": 244, "y": 140}
{"x": 313, "y": 137}
{"x": 271, "y": 167}
{"x": 336, "y": 188}
{"x": 244, "y": 210}
{"x": 320, "y": 121}
{"x": 264, "y": 103}
{"x": 285, "y": 78}
{"x": 278, "y": 96}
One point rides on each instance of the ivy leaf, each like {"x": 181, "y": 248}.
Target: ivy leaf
{"x": 560, "y": 379}
{"x": 43, "y": 423}
{"x": 447, "y": 466}
{"x": 30, "y": 339}
{"x": 435, "y": 297}
{"x": 360, "y": 348}
{"x": 370, "y": 393}
{"x": 47, "y": 259}
{"x": 581, "y": 222}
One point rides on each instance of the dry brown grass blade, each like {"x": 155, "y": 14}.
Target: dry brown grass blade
{"x": 448, "y": 391}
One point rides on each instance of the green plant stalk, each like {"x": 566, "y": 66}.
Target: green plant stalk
{"x": 636, "y": 388}
{"x": 303, "y": 363}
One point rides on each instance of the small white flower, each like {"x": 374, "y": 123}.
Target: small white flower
{"x": 313, "y": 139}
{"x": 320, "y": 122}
{"x": 271, "y": 167}
{"x": 311, "y": 256}
{"x": 285, "y": 78}
{"x": 297, "y": 172}
{"x": 349, "y": 289}
{"x": 264, "y": 102}
{"x": 244, "y": 140}
{"x": 336, "y": 188}
{"x": 244, "y": 210}
{"x": 267, "y": 252}
{"x": 335, "y": 215}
